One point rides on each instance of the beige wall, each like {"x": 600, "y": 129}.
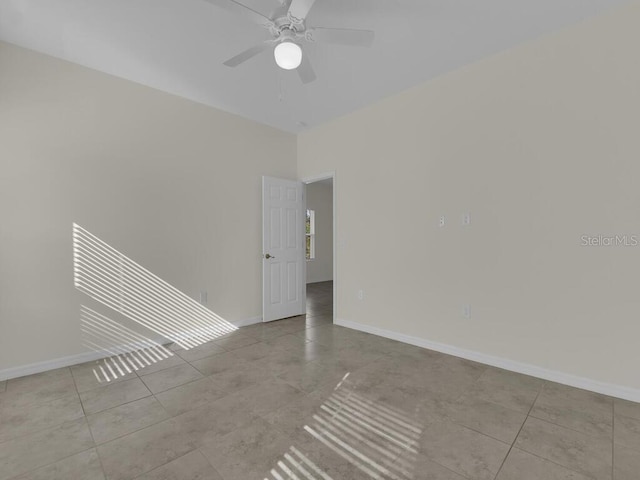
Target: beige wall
{"x": 170, "y": 183}
{"x": 541, "y": 145}
{"x": 320, "y": 199}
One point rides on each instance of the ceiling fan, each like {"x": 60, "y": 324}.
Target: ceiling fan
{"x": 288, "y": 29}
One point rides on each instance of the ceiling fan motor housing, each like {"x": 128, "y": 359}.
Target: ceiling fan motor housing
{"x": 283, "y": 28}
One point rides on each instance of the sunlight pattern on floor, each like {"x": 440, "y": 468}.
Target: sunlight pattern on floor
{"x": 125, "y": 350}
{"x": 379, "y": 440}
{"x": 118, "y": 282}
{"x": 296, "y": 465}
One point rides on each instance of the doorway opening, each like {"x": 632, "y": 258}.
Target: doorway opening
{"x": 320, "y": 249}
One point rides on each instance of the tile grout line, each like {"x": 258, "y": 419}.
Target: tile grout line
{"x": 169, "y": 417}
{"x": 586, "y": 475}
{"x": 520, "y": 430}
{"x": 22, "y": 435}
{"x": 86, "y": 419}
{"x": 120, "y": 405}
{"x": 151, "y": 394}
{"x": 95, "y": 447}
{"x": 552, "y": 461}
{"x": 572, "y": 429}
{"x": 56, "y": 426}
{"x": 56, "y": 461}
{"x": 613, "y": 438}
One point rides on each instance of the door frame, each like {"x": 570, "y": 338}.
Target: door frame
{"x": 312, "y": 179}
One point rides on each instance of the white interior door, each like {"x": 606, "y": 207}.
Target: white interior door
{"x": 283, "y": 254}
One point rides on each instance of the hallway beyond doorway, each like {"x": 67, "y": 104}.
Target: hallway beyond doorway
{"x": 320, "y": 299}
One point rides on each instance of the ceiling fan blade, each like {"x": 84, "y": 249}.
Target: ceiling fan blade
{"x": 242, "y": 10}
{"x": 305, "y": 70}
{"x": 343, "y": 36}
{"x": 246, "y": 55}
{"x": 299, "y": 9}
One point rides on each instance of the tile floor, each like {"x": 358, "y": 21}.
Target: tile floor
{"x": 303, "y": 399}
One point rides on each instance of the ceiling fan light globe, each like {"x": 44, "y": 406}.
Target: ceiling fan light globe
{"x": 288, "y": 55}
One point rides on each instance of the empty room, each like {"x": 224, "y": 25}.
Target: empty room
{"x": 319, "y": 240}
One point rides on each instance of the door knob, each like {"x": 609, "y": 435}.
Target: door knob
{"x": 267, "y": 256}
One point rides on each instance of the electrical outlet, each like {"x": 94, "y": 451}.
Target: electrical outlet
{"x": 443, "y": 221}
{"x": 360, "y": 294}
{"x": 466, "y": 219}
{"x": 466, "y": 311}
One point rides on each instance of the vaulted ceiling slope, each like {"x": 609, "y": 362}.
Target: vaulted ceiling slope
{"x": 179, "y": 46}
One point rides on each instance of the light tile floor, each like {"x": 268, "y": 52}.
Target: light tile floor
{"x": 303, "y": 399}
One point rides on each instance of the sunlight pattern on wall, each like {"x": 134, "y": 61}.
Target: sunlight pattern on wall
{"x": 113, "y": 279}
{"x": 380, "y": 440}
{"x": 125, "y": 350}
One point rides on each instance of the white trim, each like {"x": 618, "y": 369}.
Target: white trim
{"x": 248, "y": 321}
{"x": 311, "y": 234}
{"x": 318, "y": 178}
{"x": 45, "y": 366}
{"x": 584, "y": 383}
{"x": 39, "y": 367}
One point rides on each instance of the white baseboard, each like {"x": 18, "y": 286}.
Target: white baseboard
{"x": 247, "y": 322}
{"x": 584, "y": 383}
{"x": 39, "y": 367}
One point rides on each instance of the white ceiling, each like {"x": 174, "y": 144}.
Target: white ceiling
{"x": 178, "y": 46}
